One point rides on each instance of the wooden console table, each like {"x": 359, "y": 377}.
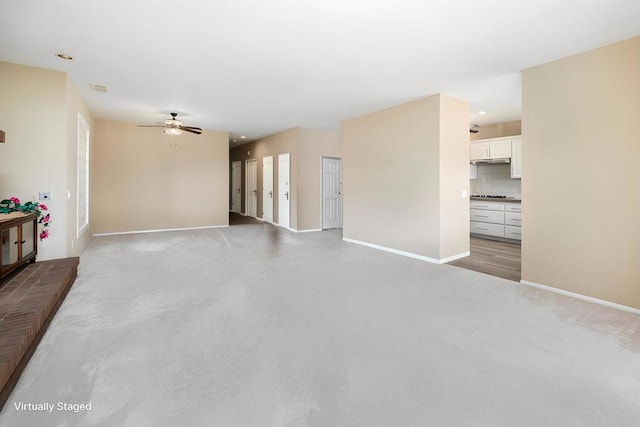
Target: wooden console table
{"x": 18, "y": 240}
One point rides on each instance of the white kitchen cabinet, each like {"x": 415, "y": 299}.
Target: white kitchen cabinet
{"x": 497, "y": 148}
{"x": 500, "y": 149}
{"x": 488, "y": 229}
{"x": 487, "y": 218}
{"x": 491, "y": 206}
{"x": 512, "y": 207}
{"x": 516, "y": 158}
{"x": 473, "y": 171}
{"x": 512, "y": 232}
{"x": 512, "y": 218}
{"x": 496, "y": 219}
{"x": 479, "y": 151}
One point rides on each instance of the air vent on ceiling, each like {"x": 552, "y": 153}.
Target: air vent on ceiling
{"x": 98, "y": 88}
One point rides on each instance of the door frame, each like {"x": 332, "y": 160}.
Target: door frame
{"x": 264, "y": 193}
{"x": 288, "y": 226}
{"x": 238, "y": 208}
{"x": 322, "y": 192}
{"x": 246, "y": 186}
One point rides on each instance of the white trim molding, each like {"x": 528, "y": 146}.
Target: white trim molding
{"x": 455, "y": 257}
{"x": 312, "y": 230}
{"x": 582, "y": 297}
{"x": 293, "y": 230}
{"x": 118, "y": 233}
{"x": 407, "y": 254}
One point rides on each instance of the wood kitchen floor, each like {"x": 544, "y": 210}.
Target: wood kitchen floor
{"x": 499, "y": 259}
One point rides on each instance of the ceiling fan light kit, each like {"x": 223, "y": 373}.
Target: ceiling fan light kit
{"x": 174, "y": 127}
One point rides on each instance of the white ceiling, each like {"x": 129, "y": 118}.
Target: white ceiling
{"x": 256, "y": 67}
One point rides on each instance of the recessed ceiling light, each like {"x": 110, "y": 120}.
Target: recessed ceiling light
{"x": 242, "y": 137}
{"x": 482, "y": 113}
{"x": 64, "y": 56}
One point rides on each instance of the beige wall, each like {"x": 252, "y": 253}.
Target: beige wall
{"x": 142, "y": 179}
{"x": 37, "y": 112}
{"x": 497, "y": 130}
{"x": 454, "y": 176}
{"x": 306, "y": 147}
{"x": 394, "y": 161}
{"x": 581, "y": 201}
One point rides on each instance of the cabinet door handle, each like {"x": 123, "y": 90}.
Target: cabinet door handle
{"x": 22, "y": 241}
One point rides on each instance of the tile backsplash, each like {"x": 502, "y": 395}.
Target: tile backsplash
{"x": 495, "y": 179}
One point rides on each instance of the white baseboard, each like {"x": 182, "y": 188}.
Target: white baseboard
{"x": 455, "y": 257}
{"x": 312, "y": 230}
{"x": 582, "y": 297}
{"x": 407, "y": 254}
{"x": 118, "y": 233}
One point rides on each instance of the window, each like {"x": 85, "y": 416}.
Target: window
{"x": 83, "y": 175}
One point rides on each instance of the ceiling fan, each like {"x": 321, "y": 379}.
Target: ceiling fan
{"x": 173, "y": 126}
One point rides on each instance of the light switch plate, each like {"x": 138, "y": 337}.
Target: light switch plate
{"x": 45, "y": 195}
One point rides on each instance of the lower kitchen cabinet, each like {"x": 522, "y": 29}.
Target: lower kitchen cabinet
{"x": 512, "y": 232}
{"x": 487, "y": 228}
{"x": 496, "y": 219}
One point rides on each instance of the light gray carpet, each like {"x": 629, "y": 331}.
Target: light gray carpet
{"x": 254, "y": 326}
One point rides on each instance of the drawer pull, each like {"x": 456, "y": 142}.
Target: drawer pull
{"x": 480, "y": 228}
{"x": 482, "y": 216}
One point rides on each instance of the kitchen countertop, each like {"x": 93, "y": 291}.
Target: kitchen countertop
{"x": 498, "y": 199}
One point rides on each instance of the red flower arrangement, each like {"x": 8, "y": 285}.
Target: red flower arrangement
{"x": 13, "y": 205}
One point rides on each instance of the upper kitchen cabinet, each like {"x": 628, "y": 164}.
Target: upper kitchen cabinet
{"x": 496, "y": 148}
{"x": 500, "y": 149}
{"x": 516, "y": 158}
{"x": 479, "y": 150}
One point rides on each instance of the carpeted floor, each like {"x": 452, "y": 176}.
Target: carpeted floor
{"x": 254, "y": 326}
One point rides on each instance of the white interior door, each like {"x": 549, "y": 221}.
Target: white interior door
{"x": 252, "y": 188}
{"x": 267, "y": 189}
{"x": 236, "y": 195}
{"x": 284, "y": 195}
{"x": 331, "y": 193}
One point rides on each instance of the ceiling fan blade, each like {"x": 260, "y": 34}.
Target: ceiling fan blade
{"x": 197, "y": 131}
{"x": 150, "y": 126}
{"x": 190, "y": 127}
